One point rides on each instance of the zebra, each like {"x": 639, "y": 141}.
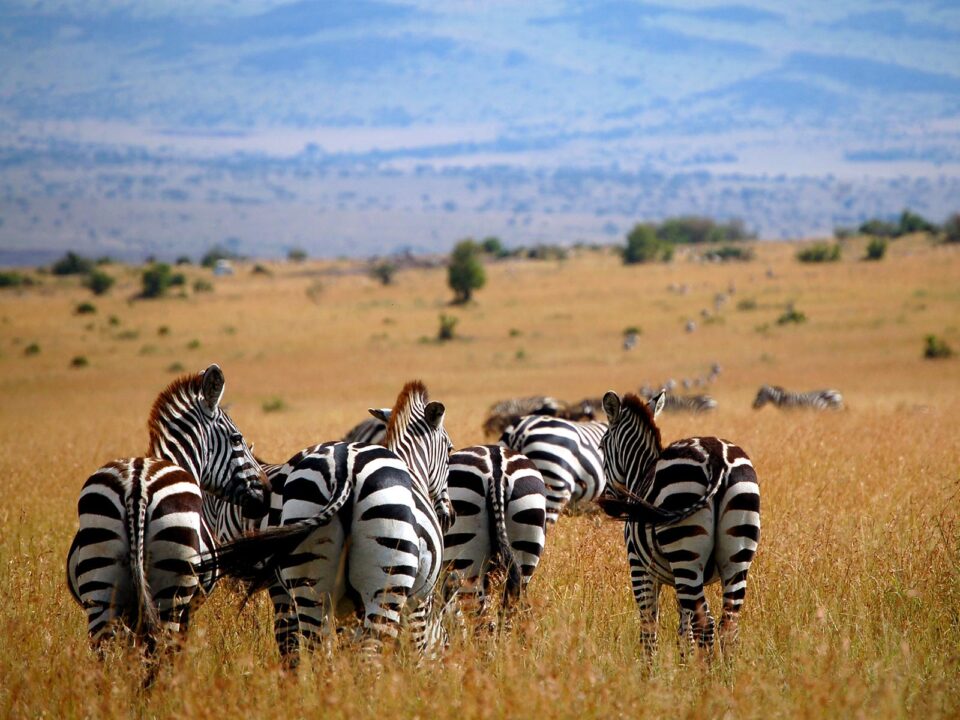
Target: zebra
{"x": 567, "y": 455}
{"x": 692, "y": 513}
{"x": 381, "y": 511}
{"x": 372, "y": 430}
{"x": 505, "y": 413}
{"x": 135, "y": 558}
{"x": 500, "y": 503}
{"x": 680, "y": 403}
{"x": 586, "y": 409}
{"x": 816, "y": 399}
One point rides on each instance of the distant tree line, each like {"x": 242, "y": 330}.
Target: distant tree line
{"x": 651, "y": 242}
{"x": 908, "y": 224}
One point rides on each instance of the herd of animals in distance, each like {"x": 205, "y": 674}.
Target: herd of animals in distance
{"x": 424, "y": 531}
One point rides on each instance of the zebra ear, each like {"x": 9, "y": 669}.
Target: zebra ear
{"x": 611, "y": 406}
{"x": 381, "y": 414}
{"x": 211, "y": 387}
{"x": 656, "y": 404}
{"x": 433, "y": 413}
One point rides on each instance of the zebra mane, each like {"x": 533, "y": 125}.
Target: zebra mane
{"x": 639, "y": 407}
{"x": 413, "y": 393}
{"x": 183, "y": 391}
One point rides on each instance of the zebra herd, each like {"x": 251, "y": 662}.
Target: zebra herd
{"x": 390, "y": 528}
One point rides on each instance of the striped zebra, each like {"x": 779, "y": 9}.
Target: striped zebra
{"x": 379, "y": 512}
{"x": 134, "y": 560}
{"x": 816, "y": 399}
{"x": 372, "y": 430}
{"x": 500, "y": 503}
{"x": 586, "y": 409}
{"x": 567, "y": 455}
{"x": 692, "y": 513}
{"x": 505, "y": 413}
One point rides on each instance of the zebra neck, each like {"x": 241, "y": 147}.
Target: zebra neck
{"x": 639, "y": 477}
{"x": 178, "y": 454}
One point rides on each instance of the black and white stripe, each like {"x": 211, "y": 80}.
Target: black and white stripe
{"x": 816, "y": 399}
{"x": 692, "y": 513}
{"x": 134, "y": 560}
{"x": 505, "y": 413}
{"x": 372, "y": 430}
{"x": 567, "y": 455}
{"x": 379, "y": 510}
{"x": 500, "y": 502}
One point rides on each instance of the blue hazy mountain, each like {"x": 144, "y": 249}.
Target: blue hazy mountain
{"x": 358, "y": 126}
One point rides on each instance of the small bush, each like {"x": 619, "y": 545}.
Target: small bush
{"x": 297, "y": 255}
{"x": 127, "y": 335}
{"x": 72, "y": 264}
{"x": 216, "y": 253}
{"x": 447, "y": 325}
{"x": 492, "y": 246}
{"x": 274, "y": 404}
{"x": 259, "y": 269}
{"x": 465, "y": 272}
{"x": 202, "y": 286}
{"x": 879, "y": 228}
{"x": 113, "y": 321}
{"x": 156, "y": 280}
{"x": 184, "y": 260}
{"x": 876, "y": 248}
{"x": 515, "y": 333}
{"x": 175, "y": 367}
{"x": 31, "y": 349}
{"x": 791, "y": 315}
{"x": 85, "y": 308}
{"x": 163, "y": 330}
{"x": 632, "y": 330}
{"x": 951, "y": 229}
{"x": 936, "y": 348}
{"x": 99, "y": 282}
{"x": 520, "y": 354}
{"x": 747, "y": 304}
{"x": 79, "y": 361}
{"x": 820, "y": 252}
{"x": 383, "y": 271}
{"x": 193, "y": 344}
{"x": 12, "y": 279}
{"x": 644, "y": 246}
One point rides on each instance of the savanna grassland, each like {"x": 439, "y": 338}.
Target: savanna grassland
{"x": 852, "y": 607}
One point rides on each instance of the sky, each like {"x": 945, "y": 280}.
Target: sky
{"x": 865, "y": 91}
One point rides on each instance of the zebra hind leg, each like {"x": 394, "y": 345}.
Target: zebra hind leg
{"x": 697, "y": 625}
{"x": 646, "y": 591}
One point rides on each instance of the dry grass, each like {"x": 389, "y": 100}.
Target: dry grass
{"x": 852, "y": 607}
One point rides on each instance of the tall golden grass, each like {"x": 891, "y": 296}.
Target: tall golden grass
{"x": 852, "y": 602}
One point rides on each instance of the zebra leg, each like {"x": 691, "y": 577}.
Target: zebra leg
{"x": 738, "y": 534}
{"x": 646, "y": 592}
{"x": 427, "y": 631}
{"x": 285, "y": 624}
{"x": 526, "y": 529}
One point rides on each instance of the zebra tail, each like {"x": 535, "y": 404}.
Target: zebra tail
{"x": 498, "y": 512}
{"x": 147, "y": 619}
{"x": 255, "y": 558}
{"x": 636, "y": 509}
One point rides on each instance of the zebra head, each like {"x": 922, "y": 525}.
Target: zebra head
{"x": 765, "y": 394}
{"x": 632, "y": 442}
{"x": 189, "y": 427}
{"x": 416, "y": 434}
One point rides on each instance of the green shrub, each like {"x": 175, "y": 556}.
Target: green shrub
{"x": 632, "y": 330}
{"x": 79, "y": 361}
{"x": 520, "y": 354}
{"x": 72, "y": 264}
{"x": 879, "y": 228}
{"x": 175, "y": 367}
{"x": 819, "y": 252}
{"x": 747, "y": 304}
{"x": 259, "y": 269}
{"x": 911, "y": 222}
{"x": 85, "y": 308}
{"x": 183, "y": 260}
{"x": 156, "y": 279}
{"x": 12, "y": 279}
{"x": 493, "y": 246}
{"x": 688, "y": 229}
{"x": 465, "y": 272}
{"x": 515, "y": 333}
{"x": 201, "y": 286}
{"x": 31, "y": 349}
{"x": 296, "y": 255}
{"x": 383, "y": 271}
{"x": 547, "y": 252}
{"x": 936, "y": 348}
{"x": 127, "y": 335}
{"x": 274, "y": 404}
{"x": 876, "y": 248}
{"x": 99, "y": 282}
{"x": 791, "y": 315}
{"x": 216, "y": 253}
{"x": 113, "y": 321}
{"x": 951, "y": 229}
{"x": 163, "y": 330}
{"x": 447, "y": 325}
{"x": 644, "y": 246}
{"x": 193, "y": 344}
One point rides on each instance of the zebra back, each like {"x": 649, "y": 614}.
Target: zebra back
{"x": 373, "y": 430}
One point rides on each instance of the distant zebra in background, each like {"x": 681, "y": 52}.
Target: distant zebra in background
{"x": 567, "y": 455}
{"x": 372, "y": 430}
{"x": 681, "y": 403}
{"x": 817, "y": 399}
{"x": 505, "y": 413}
{"x": 586, "y": 409}
{"x": 500, "y": 503}
{"x": 377, "y": 513}
{"x": 692, "y": 513}
{"x": 135, "y": 558}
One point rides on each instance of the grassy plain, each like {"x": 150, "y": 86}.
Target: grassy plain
{"x": 853, "y": 601}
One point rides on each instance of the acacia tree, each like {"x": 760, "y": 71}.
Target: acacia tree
{"x": 465, "y": 272}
